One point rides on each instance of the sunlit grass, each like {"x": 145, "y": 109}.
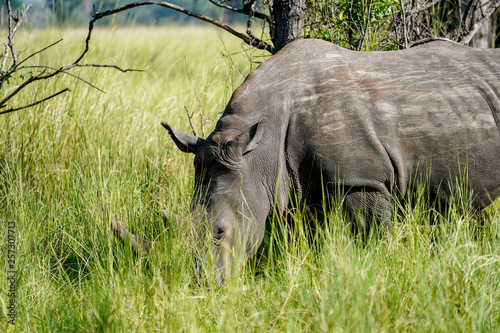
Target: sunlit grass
{"x": 64, "y": 162}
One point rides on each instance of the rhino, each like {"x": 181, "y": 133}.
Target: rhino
{"x": 317, "y": 118}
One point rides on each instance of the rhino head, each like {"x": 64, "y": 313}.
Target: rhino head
{"x": 231, "y": 201}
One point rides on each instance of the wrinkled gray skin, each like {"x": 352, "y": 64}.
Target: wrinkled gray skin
{"x": 317, "y": 116}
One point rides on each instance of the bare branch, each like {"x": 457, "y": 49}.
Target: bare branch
{"x": 405, "y": 32}
{"x": 19, "y": 19}
{"x": 55, "y": 72}
{"x": 67, "y": 73}
{"x": 250, "y": 5}
{"x": 10, "y": 36}
{"x": 255, "y": 42}
{"x": 4, "y": 62}
{"x": 13, "y": 29}
{"x": 475, "y": 28}
{"x": 472, "y": 11}
{"x": 40, "y": 51}
{"x": 111, "y": 66}
{"x": 231, "y": 59}
{"x": 22, "y": 86}
{"x": 33, "y": 104}
{"x": 190, "y": 117}
{"x": 14, "y": 23}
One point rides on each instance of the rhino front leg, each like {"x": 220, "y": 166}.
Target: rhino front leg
{"x": 370, "y": 207}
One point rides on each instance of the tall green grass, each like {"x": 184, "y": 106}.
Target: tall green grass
{"x": 63, "y": 163}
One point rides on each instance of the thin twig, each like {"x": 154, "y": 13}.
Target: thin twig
{"x": 35, "y": 103}
{"x": 13, "y": 29}
{"x": 404, "y": 24}
{"x": 477, "y": 25}
{"x": 190, "y": 117}
{"x": 21, "y": 87}
{"x": 199, "y": 96}
{"x": 475, "y": 28}
{"x": 67, "y": 73}
{"x": 19, "y": 18}
{"x": 4, "y": 62}
{"x": 40, "y": 51}
{"x": 111, "y": 66}
{"x": 10, "y": 37}
{"x": 231, "y": 59}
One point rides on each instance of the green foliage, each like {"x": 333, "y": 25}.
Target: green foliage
{"x": 382, "y": 25}
{"x": 63, "y": 162}
{"x": 346, "y": 22}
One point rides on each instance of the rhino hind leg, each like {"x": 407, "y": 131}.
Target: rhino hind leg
{"x": 371, "y": 209}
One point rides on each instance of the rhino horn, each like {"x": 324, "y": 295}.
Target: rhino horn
{"x": 187, "y": 143}
{"x": 139, "y": 245}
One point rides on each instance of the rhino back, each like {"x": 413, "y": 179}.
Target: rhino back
{"x": 375, "y": 119}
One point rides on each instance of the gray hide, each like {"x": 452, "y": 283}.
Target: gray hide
{"x": 317, "y": 116}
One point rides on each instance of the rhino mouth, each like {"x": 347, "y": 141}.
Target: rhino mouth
{"x": 139, "y": 245}
{"x": 143, "y": 247}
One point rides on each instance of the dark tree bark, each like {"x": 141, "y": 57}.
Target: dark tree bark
{"x": 288, "y": 17}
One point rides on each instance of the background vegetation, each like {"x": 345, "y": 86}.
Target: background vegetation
{"x": 356, "y": 24}
{"x": 48, "y": 13}
{"x": 64, "y": 162}
{"x": 370, "y": 25}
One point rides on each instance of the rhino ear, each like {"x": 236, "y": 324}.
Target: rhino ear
{"x": 187, "y": 143}
{"x": 248, "y": 140}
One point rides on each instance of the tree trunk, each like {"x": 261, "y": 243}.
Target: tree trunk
{"x": 288, "y": 19}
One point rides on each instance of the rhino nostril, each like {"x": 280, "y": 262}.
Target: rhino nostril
{"x": 218, "y": 235}
{"x": 219, "y": 231}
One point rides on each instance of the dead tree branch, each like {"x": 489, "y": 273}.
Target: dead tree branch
{"x": 46, "y": 72}
{"x": 16, "y": 20}
{"x": 405, "y": 32}
{"x": 252, "y": 41}
{"x": 50, "y": 72}
{"x": 476, "y": 14}
{"x": 40, "y": 51}
{"x": 35, "y": 103}
{"x": 190, "y": 117}
{"x": 415, "y": 24}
